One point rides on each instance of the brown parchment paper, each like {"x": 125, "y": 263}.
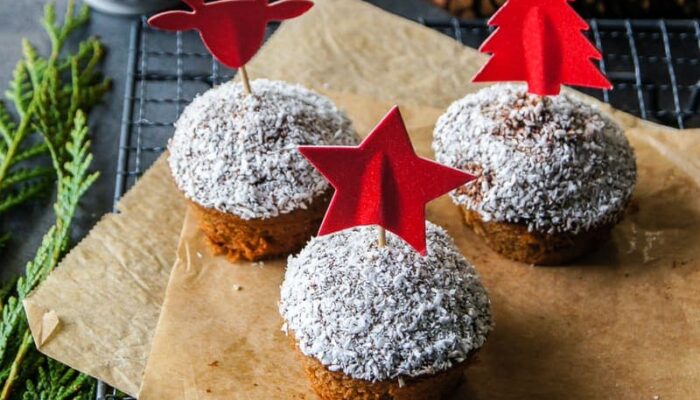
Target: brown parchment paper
{"x": 621, "y": 323}
{"x": 97, "y": 311}
{"x": 101, "y": 306}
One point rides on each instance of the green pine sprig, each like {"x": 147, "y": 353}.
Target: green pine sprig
{"x": 45, "y": 104}
{"x": 73, "y": 181}
{"x": 56, "y": 381}
{"x": 45, "y": 142}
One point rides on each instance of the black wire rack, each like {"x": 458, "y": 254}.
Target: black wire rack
{"x": 654, "y": 66}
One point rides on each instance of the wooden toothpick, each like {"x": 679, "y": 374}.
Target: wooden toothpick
{"x": 382, "y": 236}
{"x": 244, "y": 78}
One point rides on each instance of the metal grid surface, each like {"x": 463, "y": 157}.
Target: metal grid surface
{"x": 654, "y": 66}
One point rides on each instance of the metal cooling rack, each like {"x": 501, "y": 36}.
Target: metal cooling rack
{"x": 654, "y": 66}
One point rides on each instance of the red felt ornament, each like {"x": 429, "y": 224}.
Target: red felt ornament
{"x": 541, "y": 42}
{"x": 382, "y": 182}
{"x": 232, "y": 30}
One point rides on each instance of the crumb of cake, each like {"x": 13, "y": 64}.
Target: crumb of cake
{"x": 554, "y": 164}
{"x": 237, "y": 153}
{"x": 381, "y": 313}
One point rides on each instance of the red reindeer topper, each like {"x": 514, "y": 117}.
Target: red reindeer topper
{"x": 382, "y": 182}
{"x": 232, "y": 30}
{"x": 540, "y": 42}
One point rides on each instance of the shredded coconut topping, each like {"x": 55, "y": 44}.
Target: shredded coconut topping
{"x": 382, "y": 313}
{"x": 554, "y": 164}
{"x": 238, "y": 153}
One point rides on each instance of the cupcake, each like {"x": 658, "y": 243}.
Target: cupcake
{"x": 554, "y": 174}
{"x": 372, "y": 322}
{"x": 235, "y": 158}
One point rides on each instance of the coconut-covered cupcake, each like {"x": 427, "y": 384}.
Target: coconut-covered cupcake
{"x": 235, "y": 157}
{"x": 376, "y": 322}
{"x": 554, "y": 174}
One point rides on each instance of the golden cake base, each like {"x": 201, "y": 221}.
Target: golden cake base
{"x": 335, "y": 385}
{"x": 258, "y": 239}
{"x": 515, "y": 242}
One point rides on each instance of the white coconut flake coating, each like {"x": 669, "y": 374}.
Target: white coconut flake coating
{"x": 238, "y": 153}
{"x": 383, "y": 313}
{"x": 554, "y": 164}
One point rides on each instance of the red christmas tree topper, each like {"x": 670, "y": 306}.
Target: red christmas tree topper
{"x": 232, "y": 30}
{"x": 382, "y": 182}
{"x": 541, "y": 42}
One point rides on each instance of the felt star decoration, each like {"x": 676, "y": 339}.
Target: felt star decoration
{"x": 382, "y": 182}
{"x": 541, "y": 42}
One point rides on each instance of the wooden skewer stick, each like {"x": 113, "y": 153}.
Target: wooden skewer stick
{"x": 382, "y": 236}
{"x": 244, "y": 79}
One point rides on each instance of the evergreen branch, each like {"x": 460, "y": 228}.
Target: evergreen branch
{"x": 73, "y": 180}
{"x": 20, "y": 88}
{"x": 23, "y": 175}
{"x": 34, "y": 64}
{"x": 16, "y": 364}
{"x": 96, "y": 52}
{"x": 23, "y": 194}
{"x": 49, "y": 23}
{"x": 12, "y": 321}
{"x": 7, "y": 125}
{"x": 92, "y": 94}
{"x": 29, "y": 153}
{"x": 59, "y": 33}
{"x": 89, "y": 55}
{"x": 46, "y": 92}
{"x": 6, "y": 289}
{"x": 58, "y": 382}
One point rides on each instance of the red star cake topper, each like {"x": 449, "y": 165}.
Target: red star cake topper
{"x": 541, "y": 42}
{"x": 382, "y": 182}
{"x": 232, "y": 30}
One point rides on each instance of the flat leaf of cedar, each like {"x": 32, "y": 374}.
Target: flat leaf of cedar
{"x": 20, "y": 91}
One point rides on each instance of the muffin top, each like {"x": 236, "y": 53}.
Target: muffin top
{"x": 237, "y": 153}
{"x": 381, "y": 313}
{"x": 554, "y": 164}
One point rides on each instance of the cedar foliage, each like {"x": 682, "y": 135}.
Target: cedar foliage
{"x": 45, "y": 105}
{"x": 49, "y": 95}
